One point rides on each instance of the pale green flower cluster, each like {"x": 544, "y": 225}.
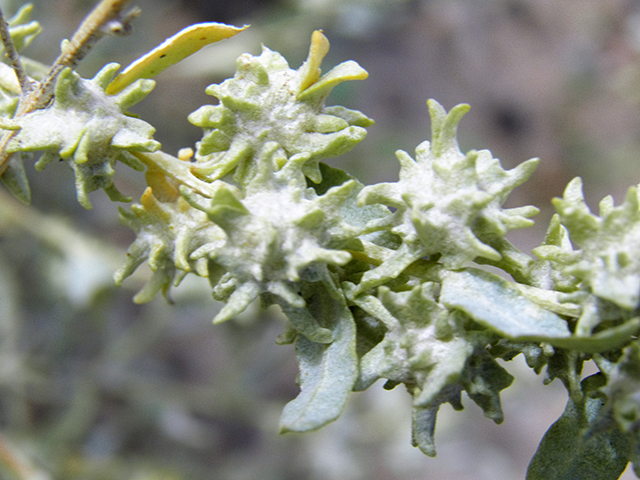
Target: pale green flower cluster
{"x": 266, "y": 101}
{"x": 89, "y": 130}
{"x": 605, "y": 264}
{"x": 432, "y": 352}
{"x": 447, "y": 204}
{"x": 167, "y": 232}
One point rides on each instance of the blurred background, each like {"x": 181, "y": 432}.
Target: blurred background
{"x": 95, "y": 387}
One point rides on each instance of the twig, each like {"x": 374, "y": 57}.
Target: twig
{"x": 90, "y": 31}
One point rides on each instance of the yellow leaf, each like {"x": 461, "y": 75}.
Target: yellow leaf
{"x": 310, "y": 71}
{"x": 184, "y": 43}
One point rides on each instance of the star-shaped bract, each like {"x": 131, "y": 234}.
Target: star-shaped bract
{"x": 603, "y": 264}
{"x": 266, "y": 101}
{"x": 167, "y": 230}
{"x": 447, "y": 203}
{"x": 279, "y": 238}
{"x": 428, "y": 349}
{"x": 89, "y": 130}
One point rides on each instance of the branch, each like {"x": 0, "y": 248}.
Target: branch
{"x": 90, "y": 31}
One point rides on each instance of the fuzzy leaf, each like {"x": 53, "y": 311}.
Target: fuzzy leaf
{"x": 495, "y": 303}
{"x": 22, "y": 29}
{"x": 327, "y": 372}
{"x": 499, "y": 305}
{"x": 350, "y": 211}
{"x": 423, "y": 420}
{"x": 341, "y": 73}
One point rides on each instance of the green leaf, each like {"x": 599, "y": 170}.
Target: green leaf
{"x": 566, "y": 453}
{"x": 423, "y": 426}
{"x": 22, "y": 29}
{"x": 327, "y": 372}
{"x": 423, "y": 420}
{"x": 500, "y": 306}
{"x": 483, "y": 379}
{"x": 349, "y": 70}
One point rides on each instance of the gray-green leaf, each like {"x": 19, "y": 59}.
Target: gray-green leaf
{"x": 327, "y": 374}
{"x": 565, "y": 453}
{"x": 498, "y": 305}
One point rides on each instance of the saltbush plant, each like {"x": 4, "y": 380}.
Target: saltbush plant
{"x": 377, "y": 282}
